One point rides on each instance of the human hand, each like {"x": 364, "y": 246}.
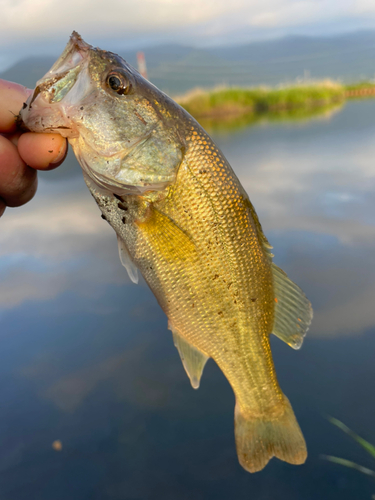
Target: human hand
{"x": 21, "y": 154}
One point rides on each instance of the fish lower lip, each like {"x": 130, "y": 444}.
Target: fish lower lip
{"x": 21, "y": 124}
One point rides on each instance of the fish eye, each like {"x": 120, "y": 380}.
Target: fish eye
{"x": 118, "y": 83}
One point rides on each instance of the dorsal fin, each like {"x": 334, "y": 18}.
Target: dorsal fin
{"x": 262, "y": 237}
{"x": 192, "y": 358}
{"x": 126, "y": 260}
{"x": 293, "y": 311}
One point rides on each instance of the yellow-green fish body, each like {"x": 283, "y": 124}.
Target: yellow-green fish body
{"x": 198, "y": 243}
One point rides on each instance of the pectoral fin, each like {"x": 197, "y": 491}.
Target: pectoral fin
{"x": 126, "y": 261}
{"x": 293, "y": 312}
{"x": 192, "y": 359}
{"x": 168, "y": 240}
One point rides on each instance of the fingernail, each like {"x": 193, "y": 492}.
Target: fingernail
{"x": 62, "y": 153}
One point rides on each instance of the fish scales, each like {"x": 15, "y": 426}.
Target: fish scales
{"x": 185, "y": 222}
{"x": 233, "y": 286}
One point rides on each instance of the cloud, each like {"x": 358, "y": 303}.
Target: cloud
{"x": 361, "y": 7}
{"x": 69, "y": 248}
{"x": 273, "y": 13}
{"x": 28, "y": 17}
{"x": 127, "y": 374}
{"x": 352, "y": 316}
{"x": 298, "y": 188}
{"x": 45, "y": 22}
{"x": 42, "y": 27}
{"x": 55, "y": 244}
{"x": 130, "y": 371}
{"x": 51, "y": 226}
{"x": 22, "y": 285}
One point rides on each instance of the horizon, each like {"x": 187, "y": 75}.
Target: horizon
{"x": 42, "y": 28}
{"x": 8, "y": 62}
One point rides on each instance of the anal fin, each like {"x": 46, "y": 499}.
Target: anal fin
{"x": 192, "y": 358}
{"x": 126, "y": 261}
{"x": 293, "y": 311}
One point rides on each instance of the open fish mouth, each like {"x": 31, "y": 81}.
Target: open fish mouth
{"x": 64, "y": 73}
{"x": 41, "y": 112}
{"x": 73, "y": 54}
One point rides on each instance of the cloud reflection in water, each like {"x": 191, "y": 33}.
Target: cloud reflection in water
{"x": 312, "y": 185}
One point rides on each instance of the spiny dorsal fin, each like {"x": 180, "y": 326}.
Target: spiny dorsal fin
{"x": 126, "y": 261}
{"x": 293, "y": 312}
{"x": 192, "y": 359}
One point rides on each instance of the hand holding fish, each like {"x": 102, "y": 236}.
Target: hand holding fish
{"x": 21, "y": 154}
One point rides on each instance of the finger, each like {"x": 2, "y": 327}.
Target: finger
{"x": 2, "y": 207}
{"x": 42, "y": 151}
{"x": 12, "y": 97}
{"x": 18, "y": 182}
{"x": 13, "y": 137}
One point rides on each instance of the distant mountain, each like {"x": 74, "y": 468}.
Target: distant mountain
{"x": 177, "y": 69}
{"x": 28, "y": 71}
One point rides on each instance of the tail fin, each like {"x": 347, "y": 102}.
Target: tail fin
{"x": 258, "y": 439}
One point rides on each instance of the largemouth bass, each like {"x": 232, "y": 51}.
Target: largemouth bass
{"x": 185, "y": 222}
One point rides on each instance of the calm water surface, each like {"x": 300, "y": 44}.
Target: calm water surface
{"x": 86, "y": 357}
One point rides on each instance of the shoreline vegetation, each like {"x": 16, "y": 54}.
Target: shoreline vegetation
{"x": 250, "y": 104}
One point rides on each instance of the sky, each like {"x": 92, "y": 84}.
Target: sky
{"x": 38, "y": 27}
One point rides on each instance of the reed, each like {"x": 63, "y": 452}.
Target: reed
{"x": 368, "y": 447}
{"x": 224, "y": 102}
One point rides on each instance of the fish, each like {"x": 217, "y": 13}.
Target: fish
{"x": 186, "y": 224}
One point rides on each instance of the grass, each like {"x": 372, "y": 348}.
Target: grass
{"x": 221, "y": 102}
{"x": 228, "y": 103}
{"x": 237, "y": 122}
{"x": 362, "y": 442}
{"x": 365, "y": 85}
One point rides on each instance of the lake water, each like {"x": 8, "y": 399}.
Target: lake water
{"x": 86, "y": 357}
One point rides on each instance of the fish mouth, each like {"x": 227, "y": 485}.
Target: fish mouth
{"x": 76, "y": 50}
{"x": 64, "y": 73}
{"x": 37, "y": 113}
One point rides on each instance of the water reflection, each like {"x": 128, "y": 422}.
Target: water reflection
{"x": 86, "y": 358}
{"x": 312, "y": 186}
{"x": 233, "y": 123}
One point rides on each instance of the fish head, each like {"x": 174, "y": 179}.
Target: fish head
{"x": 125, "y": 133}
